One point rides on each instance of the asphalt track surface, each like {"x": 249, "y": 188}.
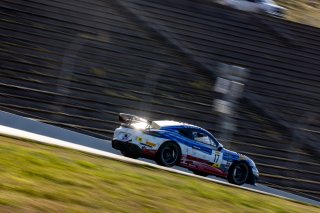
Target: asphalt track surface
{"x": 17, "y": 126}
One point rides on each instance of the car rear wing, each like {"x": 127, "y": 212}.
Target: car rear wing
{"x": 128, "y": 119}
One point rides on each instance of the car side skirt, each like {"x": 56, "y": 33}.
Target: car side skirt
{"x": 194, "y": 163}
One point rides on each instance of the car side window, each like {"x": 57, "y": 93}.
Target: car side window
{"x": 203, "y": 138}
{"x": 186, "y": 133}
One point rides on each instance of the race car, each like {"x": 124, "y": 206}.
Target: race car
{"x": 172, "y": 143}
{"x": 268, "y": 7}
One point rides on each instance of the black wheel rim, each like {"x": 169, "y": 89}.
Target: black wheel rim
{"x": 240, "y": 174}
{"x": 169, "y": 155}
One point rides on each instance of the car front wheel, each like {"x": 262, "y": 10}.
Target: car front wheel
{"x": 238, "y": 173}
{"x": 168, "y": 154}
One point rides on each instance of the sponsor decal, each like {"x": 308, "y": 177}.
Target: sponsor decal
{"x": 124, "y": 136}
{"x": 139, "y": 139}
{"x": 216, "y": 165}
{"x": 227, "y": 165}
{"x": 151, "y": 144}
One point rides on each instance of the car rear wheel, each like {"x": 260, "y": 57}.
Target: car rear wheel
{"x": 238, "y": 173}
{"x": 168, "y": 154}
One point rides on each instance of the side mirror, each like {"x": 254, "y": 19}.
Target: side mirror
{"x": 220, "y": 148}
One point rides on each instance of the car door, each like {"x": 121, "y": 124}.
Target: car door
{"x": 195, "y": 151}
{"x": 202, "y": 151}
{"x": 206, "y": 148}
{"x": 201, "y": 148}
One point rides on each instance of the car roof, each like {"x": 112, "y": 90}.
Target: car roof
{"x": 174, "y": 125}
{"x": 167, "y": 123}
{"x": 170, "y": 125}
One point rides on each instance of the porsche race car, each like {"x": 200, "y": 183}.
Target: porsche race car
{"x": 172, "y": 143}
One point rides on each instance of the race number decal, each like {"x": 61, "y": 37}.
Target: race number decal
{"x": 216, "y": 159}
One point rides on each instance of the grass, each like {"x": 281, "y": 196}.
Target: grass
{"x": 302, "y": 11}
{"x": 42, "y": 178}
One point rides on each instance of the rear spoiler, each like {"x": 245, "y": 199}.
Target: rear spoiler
{"x": 128, "y": 119}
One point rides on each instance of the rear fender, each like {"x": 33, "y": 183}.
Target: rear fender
{"x": 168, "y": 142}
{"x": 172, "y": 142}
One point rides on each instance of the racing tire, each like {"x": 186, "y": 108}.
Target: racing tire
{"x": 238, "y": 173}
{"x": 169, "y": 154}
{"x": 200, "y": 173}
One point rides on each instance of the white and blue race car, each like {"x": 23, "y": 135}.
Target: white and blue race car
{"x": 172, "y": 143}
